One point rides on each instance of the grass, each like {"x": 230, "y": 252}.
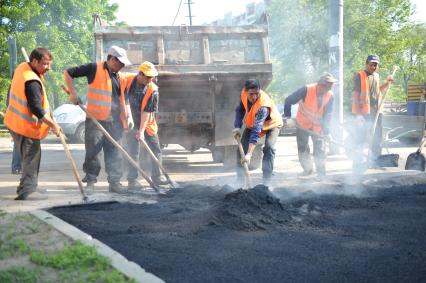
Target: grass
{"x": 31, "y": 251}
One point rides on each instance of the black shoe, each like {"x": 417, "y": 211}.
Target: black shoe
{"x": 16, "y": 171}
{"x": 116, "y": 187}
{"x": 31, "y": 196}
{"x": 84, "y": 180}
{"x": 159, "y": 180}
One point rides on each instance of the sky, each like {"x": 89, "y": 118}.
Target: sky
{"x": 163, "y": 12}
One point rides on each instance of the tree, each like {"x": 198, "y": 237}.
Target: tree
{"x": 63, "y": 26}
{"x": 299, "y": 42}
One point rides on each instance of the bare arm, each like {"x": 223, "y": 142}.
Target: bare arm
{"x": 145, "y": 117}
{"x": 52, "y": 124}
{"x": 68, "y": 81}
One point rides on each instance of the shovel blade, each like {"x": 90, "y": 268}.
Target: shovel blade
{"x": 415, "y": 161}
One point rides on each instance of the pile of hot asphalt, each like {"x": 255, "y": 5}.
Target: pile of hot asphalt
{"x": 217, "y": 234}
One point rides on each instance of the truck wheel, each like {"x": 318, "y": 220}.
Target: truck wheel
{"x": 218, "y": 153}
{"x": 79, "y": 134}
{"x": 256, "y": 158}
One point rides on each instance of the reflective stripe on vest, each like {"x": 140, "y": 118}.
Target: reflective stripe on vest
{"x": 309, "y": 115}
{"x": 274, "y": 119}
{"x": 19, "y": 117}
{"x": 99, "y": 95}
{"x": 361, "y": 101}
{"x": 152, "y": 127}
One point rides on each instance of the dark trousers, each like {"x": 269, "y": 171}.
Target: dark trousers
{"x": 30, "y": 151}
{"x": 304, "y": 152}
{"x": 16, "y": 158}
{"x": 268, "y": 152}
{"x": 95, "y": 142}
{"x": 142, "y": 156}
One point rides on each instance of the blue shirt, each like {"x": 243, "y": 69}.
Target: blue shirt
{"x": 259, "y": 120}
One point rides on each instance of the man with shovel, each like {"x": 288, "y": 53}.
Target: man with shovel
{"x": 28, "y": 119}
{"x": 142, "y": 94}
{"x": 106, "y": 103}
{"x": 366, "y": 95}
{"x": 261, "y": 119}
{"x": 313, "y": 120}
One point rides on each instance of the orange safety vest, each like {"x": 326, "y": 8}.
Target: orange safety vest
{"x": 152, "y": 127}
{"x": 99, "y": 95}
{"x": 309, "y": 116}
{"x": 274, "y": 120}
{"x": 361, "y": 102}
{"x": 19, "y": 117}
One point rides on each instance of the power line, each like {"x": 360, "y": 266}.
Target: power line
{"x": 177, "y": 13}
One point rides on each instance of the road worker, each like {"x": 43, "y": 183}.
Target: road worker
{"x": 313, "y": 120}
{"x": 28, "y": 119}
{"x": 106, "y": 103}
{"x": 261, "y": 119}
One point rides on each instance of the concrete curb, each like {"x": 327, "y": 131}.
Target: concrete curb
{"x": 128, "y": 268}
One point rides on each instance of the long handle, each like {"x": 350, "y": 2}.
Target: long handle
{"x": 245, "y": 165}
{"x": 143, "y": 142}
{"x": 373, "y": 129}
{"x": 119, "y": 147}
{"x": 322, "y": 137}
{"x": 65, "y": 145}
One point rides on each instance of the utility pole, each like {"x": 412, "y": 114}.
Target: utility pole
{"x": 11, "y": 43}
{"x": 335, "y": 60}
{"x": 189, "y": 12}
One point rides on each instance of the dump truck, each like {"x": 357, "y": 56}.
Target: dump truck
{"x": 202, "y": 70}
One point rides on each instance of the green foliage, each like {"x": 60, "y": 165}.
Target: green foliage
{"x": 63, "y": 26}
{"x": 299, "y": 43}
{"x": 19, "y": 274}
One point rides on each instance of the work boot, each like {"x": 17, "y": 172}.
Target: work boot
{"x": 134, "y": 185}
{"x": 90, "y": 188}
{"x": 306, "y": 173}
{"x": 31, "y": 196}
{"x": 116, "y": 187}
{"x": 159, "y": 180}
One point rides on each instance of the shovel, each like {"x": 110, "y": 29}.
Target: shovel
{"x": 385, "y": 160}
{"x": 145, "y": 145}
{"x": 416, "y": 160}
{"x": 65, "y": 145}
{"x": 247, "y": 182}
{"x": 116, "y": 144}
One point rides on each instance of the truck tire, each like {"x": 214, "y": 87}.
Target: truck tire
{"x": 79, "y": 134}
{"x": 256, "y": 158}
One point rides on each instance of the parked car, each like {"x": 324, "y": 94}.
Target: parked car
{"x": 290, "y": 131}
{"x": 71, "y": 119}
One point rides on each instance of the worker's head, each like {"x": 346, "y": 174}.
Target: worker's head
{"x": 252, "y": 88}
{"x": 372, "y": 63}
{"x": 40, "y": 60}
{"x": 326, "y": 83}
{"x": 147, "y": 72}
{"x": 117, "y": 58}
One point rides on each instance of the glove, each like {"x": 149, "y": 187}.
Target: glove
{"x": 289, "y": 123}
{"x": 236, "y": 132}
{"x": 130, "y": 123}
{"x": 139, "y": 135}
{"x": 247, "y": 158}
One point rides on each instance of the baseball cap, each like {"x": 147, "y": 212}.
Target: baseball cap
{"x": 373, "y": 59}
{"x": 327, "y": 78}
{"x": 120, "y": 53}
{"x": 148, "y": 69}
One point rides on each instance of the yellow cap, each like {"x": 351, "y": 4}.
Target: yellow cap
{"x": 148, "y": 69}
